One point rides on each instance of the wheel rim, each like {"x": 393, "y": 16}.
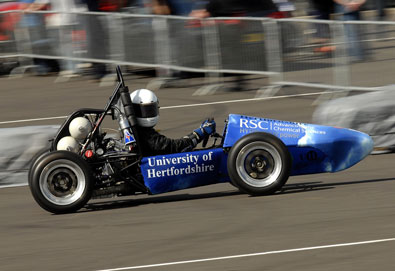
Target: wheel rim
{"x": 259, "y": 164}
{"x": 62, "y": 182}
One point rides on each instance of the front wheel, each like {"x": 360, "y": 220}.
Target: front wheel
{"x": 259, "y": 164}
{"x": 61, "y": 182}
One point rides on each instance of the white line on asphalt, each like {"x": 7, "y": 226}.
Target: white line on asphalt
{"x": 252, "y": 254}
{"x": 250, "y": 100}
{"x": 193, "y": 105}
{"x": 13, "y": 185}
{"x": 31, "y": 120}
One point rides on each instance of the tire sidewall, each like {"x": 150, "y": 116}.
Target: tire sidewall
{"x": 237, "y": 180}
{"x": 34, "y": 161}
{"x": 34, "y": 181}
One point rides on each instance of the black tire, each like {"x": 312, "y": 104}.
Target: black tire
{"x": 34, "y": 160}
{"x": 259, "y": 164}
{"x": 61, "y": 182}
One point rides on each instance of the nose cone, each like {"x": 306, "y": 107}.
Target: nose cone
{"x": 350, "y": 149}
{"x": 367, "y": 145}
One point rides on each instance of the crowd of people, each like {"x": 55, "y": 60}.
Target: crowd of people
{"x": 322, "y": 9}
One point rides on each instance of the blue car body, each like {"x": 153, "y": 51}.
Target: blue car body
{"x": 313, "y": 148}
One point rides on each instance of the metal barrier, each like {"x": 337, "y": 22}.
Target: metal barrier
{"x": 173, "y": 42}
{"x": 7, "y": 39}
{"x": 324, "y": 53}
{"x": 377, "y": 44}
{"x": 8, "y": 50}
{"x": 310, "y": 53}
{"x": 313, "y": 54}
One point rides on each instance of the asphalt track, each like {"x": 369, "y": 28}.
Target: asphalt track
{"x": 207, "y": 228}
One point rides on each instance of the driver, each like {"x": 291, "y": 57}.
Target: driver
{"x": 146, "y": 108}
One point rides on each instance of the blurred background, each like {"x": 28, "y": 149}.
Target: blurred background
{"x": 180, "y": 39}
{"x": 189, "y": 51}
{"x": 315, "y": 61}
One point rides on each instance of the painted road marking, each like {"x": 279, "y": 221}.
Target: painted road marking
{"x": 191, "y": 105}
{"x": 31, "y": 120}
{"x": 252, "y": 254}
{"x": 13, "y": 185}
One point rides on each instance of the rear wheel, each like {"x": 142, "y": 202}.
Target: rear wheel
{"x": 259, "y": 164}
{"x": 61, "y": 182}
{"x": 35, "y": 159}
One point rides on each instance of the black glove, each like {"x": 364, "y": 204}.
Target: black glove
{"x": 206, "y": 129}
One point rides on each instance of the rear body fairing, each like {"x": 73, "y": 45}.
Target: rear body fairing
{"x": 314, "y": 148}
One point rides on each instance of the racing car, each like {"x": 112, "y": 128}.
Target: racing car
{"x": 256, "y": 155}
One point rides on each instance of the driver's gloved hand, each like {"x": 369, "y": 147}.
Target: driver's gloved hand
{"x": 206, "y": 129}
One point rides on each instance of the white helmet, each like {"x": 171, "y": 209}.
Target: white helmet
{"x": 79, "y": 128}
{"x": 146, "y": 107}
{"x": 68, "y": 143}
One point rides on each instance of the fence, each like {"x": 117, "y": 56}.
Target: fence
{"x": 324, "y": 53}
{"x": 309, "y": 53}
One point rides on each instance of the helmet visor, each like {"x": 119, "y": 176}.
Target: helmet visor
{"x": 146, "y": 110}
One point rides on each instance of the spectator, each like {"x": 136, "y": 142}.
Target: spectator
{"x": 380, "y": 5}
{"x": 8, "y": 20}
{"x": 181, "y": 7}
{"x": 97, "y": 39}
{"x": 350, "y": 10}
{"x": 60, "y": 27}
{"x": 217, "y": 8}
{"x": 161, "y": 7}
{"x": 323, "y": 10}
{"x": 35, "y": 25}
{"x": 171, "y": 7}
{"x": 236, "y": 8}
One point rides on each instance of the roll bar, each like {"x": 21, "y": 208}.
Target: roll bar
{"x": 123, "y": 91}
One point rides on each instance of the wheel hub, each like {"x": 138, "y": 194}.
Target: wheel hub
{"x": 62, "y": 182}
{"x": 259, "y": 164}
